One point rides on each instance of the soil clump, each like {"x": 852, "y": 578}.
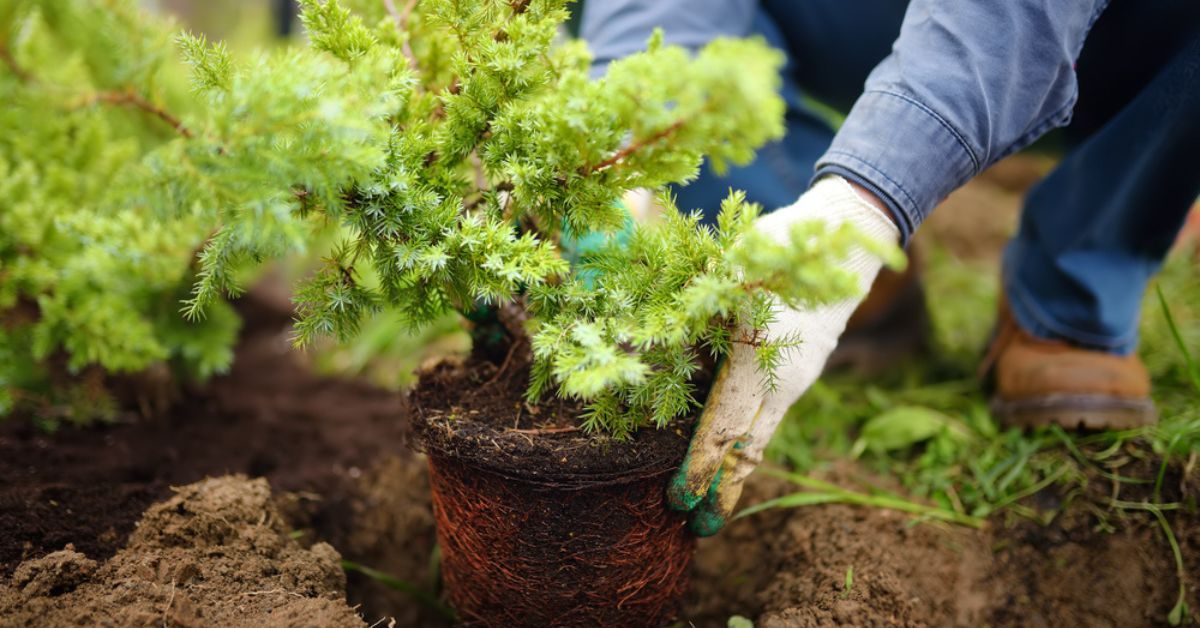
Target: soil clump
{"x": 334, "y": 451}
{"x": 217, "y": 553}
{"x": 476, "y": 413}
{"x": 788, "y": 567}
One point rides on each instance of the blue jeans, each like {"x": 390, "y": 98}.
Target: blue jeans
{"x": 1097, "y": 228}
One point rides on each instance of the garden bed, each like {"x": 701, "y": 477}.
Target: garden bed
{"x": 334, "y": 454}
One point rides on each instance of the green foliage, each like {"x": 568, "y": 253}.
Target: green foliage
{"x": 627, "y": 336}
{"x": 121, "y": 191}
{"x": 90, "y": 275}
{"x": 737, "y": 621}
{"x": 449, "y": 144}
{"x": 480, "y": 140}
{"x": 901, "y": 427}
{"x": 334, "y": 30}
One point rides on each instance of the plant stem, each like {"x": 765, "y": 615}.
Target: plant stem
{"x": 1193, "y": 370}
{"x": 1075, "y": 452}
{"x": 1046, "y": 481}
{"x": 401, "y": 20}
{"x": 132, "y": 99}
{"x": 9, "y": 60}
{"x": 1175, "y": 616}
{"x": 635, "y": 146}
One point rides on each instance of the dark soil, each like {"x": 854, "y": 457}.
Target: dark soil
{"x": 333, "y": 451}
{"x": 319, "y": 441}
{"x": 217, "y": 553}
{"x": 476, "y": 412}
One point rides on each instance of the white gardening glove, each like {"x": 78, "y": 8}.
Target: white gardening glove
{"x": 741, "y": 414}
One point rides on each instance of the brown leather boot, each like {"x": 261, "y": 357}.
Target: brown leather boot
{"x": 1038, "y": 382}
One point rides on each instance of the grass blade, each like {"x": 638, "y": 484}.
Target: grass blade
{"x": 1192, "y": 369}
{"x": 822, "y": 492}
{"x": 793, "y": 500}
{"x": 390, "y": 581}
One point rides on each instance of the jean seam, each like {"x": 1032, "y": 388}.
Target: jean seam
{"x": 1047, "y": 327}
{"x": 1048, "y": 123}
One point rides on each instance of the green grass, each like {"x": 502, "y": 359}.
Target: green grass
{"x": 416, "y": 592}
{"x": 928, "y": 425}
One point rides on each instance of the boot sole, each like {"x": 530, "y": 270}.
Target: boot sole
{"x": 1086, "y": 412}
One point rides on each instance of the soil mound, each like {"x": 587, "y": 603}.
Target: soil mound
{"x": 270, "y": 416}
{"x": 53, "y": 574}
{"x": 215, "y": 554}
{"x": 788, "y": 568}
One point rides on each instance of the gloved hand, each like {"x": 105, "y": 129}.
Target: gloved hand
{"x": 741, "y": 414}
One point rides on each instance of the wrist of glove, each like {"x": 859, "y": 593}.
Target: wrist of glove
{"x": 741, "y": 414}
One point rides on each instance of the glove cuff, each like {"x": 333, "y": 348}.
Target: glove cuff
{"x": 833, "y": 201}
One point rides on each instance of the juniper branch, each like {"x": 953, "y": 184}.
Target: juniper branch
{"x": 400, "y": 18}
{"x": 132, "y": 99}
{"x": 10, "y": 61}
{"x": 635, "y": 146}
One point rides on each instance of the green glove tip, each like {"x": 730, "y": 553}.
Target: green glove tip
{"x": 706, "y": 522}
{"x": 681, "y": 497}
{"x": 678, "y": 495}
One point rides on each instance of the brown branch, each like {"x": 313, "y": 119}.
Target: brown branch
{"x": 635, "y": 146}
{"x": 544, "y": 430}
{"x": 401, "y": 20}
{"x": 9, "y": 60}
{"x": 132, "y": 99}
{"x": 512, "y": 350}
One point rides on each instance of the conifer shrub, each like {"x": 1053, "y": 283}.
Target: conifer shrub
{"x": 109, "y": 172}
{"x": 91, "y": 268}
{"x": 459, "y": 149}
{"x": 499, "y": 145}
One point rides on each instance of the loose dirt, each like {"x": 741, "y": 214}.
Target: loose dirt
{"x": 788, "y": 568}
{"x": 217, "y": 553}
{"x": 334, "y": 453}
{"x": 225, "y": 546}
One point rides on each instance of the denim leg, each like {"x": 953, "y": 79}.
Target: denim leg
{"x": 1097, "y": 228}
{"x": 830, "y": 47}
{"x": 780, "y": 171}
